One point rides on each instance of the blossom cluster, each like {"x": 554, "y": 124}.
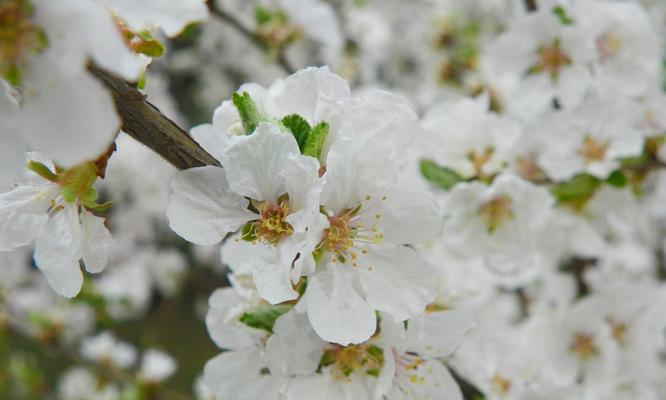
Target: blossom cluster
{"x": 471, "y": 206}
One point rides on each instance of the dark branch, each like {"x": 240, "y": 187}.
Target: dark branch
{"x": 145, "y": 123}
{"x": 531, "y": 5}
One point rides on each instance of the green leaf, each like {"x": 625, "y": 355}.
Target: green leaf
{"x": 250, "y": 116}
{"x": 42, "y": 170}
{"x": 562, "y": 15}
{"x": 299, "y": 127}
{"x": 617, "y": 179}
{"x": 440, "y": 176}
{"x": 580, "y": 187}
{"x": 315, "y": 141}
{"x": 151, "y": 48}
{"x": 264, "y": 317}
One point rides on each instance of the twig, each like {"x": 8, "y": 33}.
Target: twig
{"x": 243, "y": 30}
{"x": 531, "y": 5}
{"x": 145, "y": 123}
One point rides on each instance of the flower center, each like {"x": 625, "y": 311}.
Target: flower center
{"x": 593, "y": 149}
{"x": 551, "y": 59}
{"x": 479, "y": 159}
{"x": 346, "y": 360}
{"x": 618, "y": 331}
{"x": 608, "y": 45}
{"x": 583, "y": 346}
{"x": 18, "y": 36}
{"x": 500, "y": 384}
{"x": 272, "y": 224}
{"x": 496, "y": 211}
{"x": 343, "y": 232}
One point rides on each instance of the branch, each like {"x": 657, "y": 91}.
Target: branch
{"x": 531, "y": 5}
{"x": 145, "y": 123}
{"x": 251, "y": 36}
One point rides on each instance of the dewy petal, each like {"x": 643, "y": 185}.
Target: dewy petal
{"x": 68, "y": 116}
{"x": 271, "y": 276}
{"x": 254, "y": 162}
{"x": 336, "y": 310}
{"x": 171, "y": 15}
{"x": 397, "y": 280}
{"x": 23, "y": 213}
{"x": 58, "y": 251}
{"x": 438, "y": 334}
{"x": 294, "y": 348}
{"x": 97, "y": 242}
{"x": 202, "y": 208}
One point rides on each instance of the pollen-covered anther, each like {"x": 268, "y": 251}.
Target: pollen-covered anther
{"x": 19, "y": 36}
{"x": 272, "y": 224}
{"x": 593, "y": 149}
{"x": 583, "y": 346}
{"x": 500, "y": 384}
{"x": 551, "y": 59}
{"x": 496, "y": 211}
{"x": 363, "y": 358}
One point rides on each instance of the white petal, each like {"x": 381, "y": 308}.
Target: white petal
{"x": 97, "y": 242}
{"x": 294, "y": 348}
{"x": 78, "y": 30}
{"x": 302, "y": 182}
{"x": 23, "y": 213}
{"x": 405, "y": 215}
{"x": 254, "y": 163}
{"x": 397, "y": 280}
{"x": 210, "y": 139}
{"x": 271, "y": 276}
{"x": 171, "y": 15}
{"x": 336, "y": 311}
{"x": 58, "y": 251}
{"x": 310, "y": 93}
{"x": 230, "y": 371}
{"x": 202, "y": 208}
{"x": 12, "y": 146}
{"x": 51, "y": 116}
{"x": 438, "y": 334}
{"x": 428, "y": 380}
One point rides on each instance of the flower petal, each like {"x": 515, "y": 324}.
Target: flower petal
{"x": 397, "y": 280}
{"x": 336, "y": 310}
{"x": 97, "y": 242}
{"x": 58, "y": 251}
{"x": 202, "y": 208}
{"x": 254, "y": 163}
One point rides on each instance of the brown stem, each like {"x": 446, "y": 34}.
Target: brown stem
{"x": 145, "y": 123}
{"x": 531, "y": 5}
{"x": 251, "y": 36}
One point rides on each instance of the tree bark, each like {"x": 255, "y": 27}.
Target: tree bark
{"x": 145, "y": 123}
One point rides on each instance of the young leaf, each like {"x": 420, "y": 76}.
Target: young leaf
{"x": 440, "y": 176}
{"x": 247, "y": 109}
{"x": 264, "y": 317}
{"x": 617, "y": 179}
{"x": 562, "y": 15}
{"x": 580, "y": 187}
{"x": 315, "y": 141}
{"x": 299, "y": 127}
